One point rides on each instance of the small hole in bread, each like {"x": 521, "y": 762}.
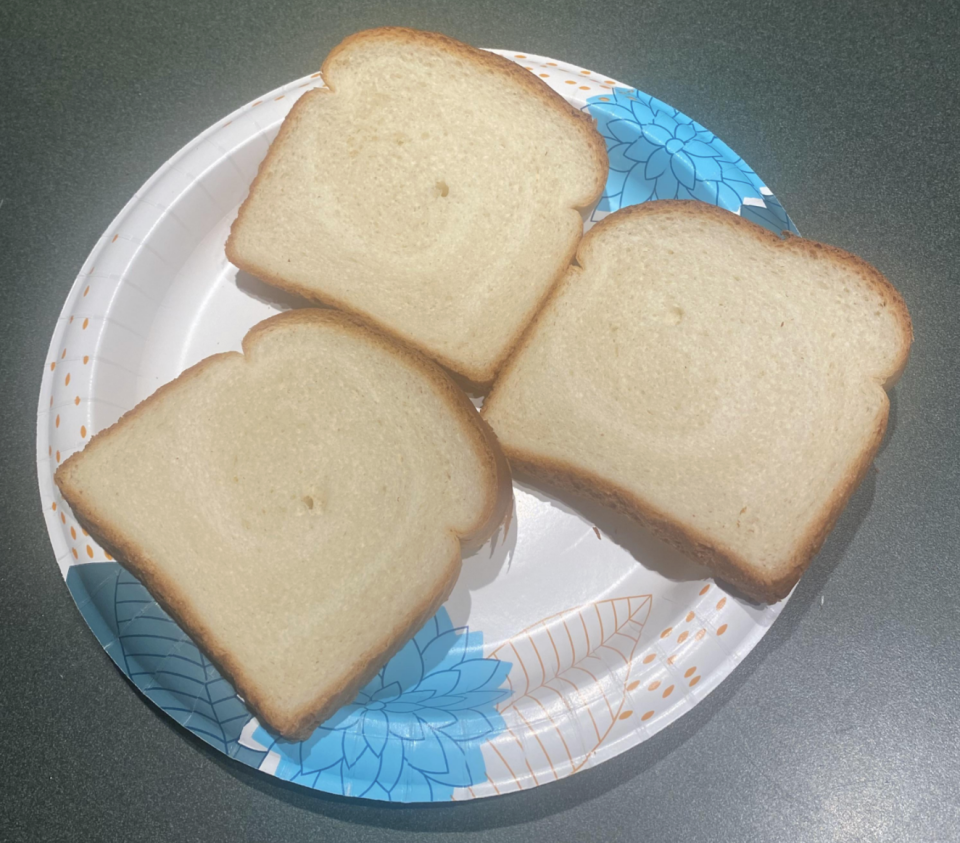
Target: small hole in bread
{"x": 308, "y": 501}
{"x": 441, "y": 188}
{"x": 673, "y": 315}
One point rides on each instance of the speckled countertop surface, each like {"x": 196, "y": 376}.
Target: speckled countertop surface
{"x": 841, "y": 725}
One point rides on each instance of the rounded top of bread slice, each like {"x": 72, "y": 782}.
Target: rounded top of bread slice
{"x": 300, "y": 509}
{"x": 721, "y": 384}
{"x": 431, "y": 188}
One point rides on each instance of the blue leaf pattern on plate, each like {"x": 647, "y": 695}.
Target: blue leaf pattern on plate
{"x": 413, "y": 733}
{"x": 415, "y": 730}
{"x": 656, "y": 152}
{"x": 159, "y": 658}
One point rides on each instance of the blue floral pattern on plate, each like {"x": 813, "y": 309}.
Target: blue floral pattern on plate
{"x": 413, "y": 733}
{"x": 656, "y": 152}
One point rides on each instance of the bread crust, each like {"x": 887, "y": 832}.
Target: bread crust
{"x": 727, "y": 564}
{"x": 299, "y": 724}
{"x": 479, "y": 378}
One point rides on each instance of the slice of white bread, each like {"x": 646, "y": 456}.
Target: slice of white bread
{"x": 431, "y": 188}
{"x": 299, "y": 509}
{"x": 720, "y": 385}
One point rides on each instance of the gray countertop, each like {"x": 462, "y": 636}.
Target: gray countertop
{"x": 841, "y": 725}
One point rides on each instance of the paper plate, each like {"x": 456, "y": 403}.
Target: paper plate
{"x": 566, "y": 641}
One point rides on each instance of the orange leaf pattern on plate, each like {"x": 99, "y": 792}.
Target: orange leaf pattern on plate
{"x": 568, "y": 688}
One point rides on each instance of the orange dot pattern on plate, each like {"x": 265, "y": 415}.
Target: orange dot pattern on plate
{"x": 668, "y": 692}
{"x": 570, "y": 82}
{"x": 90, "y": 551}
{"x": 53, "y": 506}
{"x": 604, "y": 99}
{"x": 672, "y": 659}
{"x": 63, "y": 518}
{"x": 721, "y": 603}
{"x": 626, "y": 714}
{"x": 86, "y": 359}
{"x": 76, "y": 555}
{"x": 53, "y": 365}
{"x": 73, "y": 532}
{"x": 690, "y": 616}
{"x": 683, "y": 637}
{"x": 76, "y": 400}
{"x": 722, "y": 630}
{"x": 64, "y": 354}
{"x": 585, "y": 72}
{"x": 694, "y": 681}
{"x": 58, "y": 456}
{"x": 519, "y": 56}
{"x": 84, "y": 531}
{"x": 544, "y": 75}
{"x": 584, "y": 87}
{"x": 87, "y": 290}
{"x": 666, "y": 632}
{"x": 280, "y": 97}
{"x": 690, "y": 672}
{"x": 551, "y": 64}
{"x": 631, "y": 687}
{"x": 115, "y": 236}
{"x": 704, "y": 590}
{"x": 66, "y": 380}
{"x": 653, "y": 685}
{"x": 83, "y": 431}
{"x": 649, "y": 658}
{"x": 647, "y": 716}
{"x": 85, "y": 323}
{"x": 109, "y": 557}
{"x": 57, "y": 424}
{"x": 700, "y": 634}
{"x": 71, "y": 320}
